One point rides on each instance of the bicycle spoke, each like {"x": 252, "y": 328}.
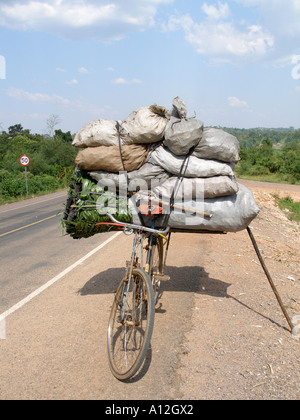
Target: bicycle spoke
{"x": 129, "y": 335}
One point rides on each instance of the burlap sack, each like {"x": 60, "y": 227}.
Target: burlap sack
{"x": 104, "y": 158}
{"x": 182, "y": 134}
{"x": 218, "y": 144}
{"x": 229, "y": 214}
{"x": 194, "y": 168}
{"x": 147, "y": 177}
{"x": 98, "y": 133}
{"x": 145, "y": 125}
{"x": 193, "y": 188}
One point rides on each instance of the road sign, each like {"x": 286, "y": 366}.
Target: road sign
{"x": 24, "y": 160}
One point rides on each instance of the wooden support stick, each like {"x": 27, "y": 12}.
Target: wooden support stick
{"x": 270, "y": 279}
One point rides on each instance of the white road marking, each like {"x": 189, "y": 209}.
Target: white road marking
{"x": 49, "y": 283}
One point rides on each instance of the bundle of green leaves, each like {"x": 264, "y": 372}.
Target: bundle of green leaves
{"x": 88, "y": 205}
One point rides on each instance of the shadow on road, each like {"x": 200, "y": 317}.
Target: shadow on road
{"x": 189, "y": 280}
{"x": 183, "y": 279}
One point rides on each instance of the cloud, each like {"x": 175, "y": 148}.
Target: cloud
{"x": 237, "y": 103}
{"x": 280, "y": 16}
{"x": 216, "y": 13}
{"x": 263, "y": 29}
{"x": 22, "y": 95}
{"x": 83, "y": 70}
{"x": 105, "y": 20}
{"x": 72, "y": 82}
{"x": 122, "y": 81}
{"x": 223, "y": 39}
{"x": 42, "y": 98}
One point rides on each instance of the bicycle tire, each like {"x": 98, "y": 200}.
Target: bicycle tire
{"x": 156, "y": 267}
{"x": 128, "y": 344}
{"x": 158, "y": 258}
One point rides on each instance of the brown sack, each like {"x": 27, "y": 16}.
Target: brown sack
{"x": 107, "y": 158}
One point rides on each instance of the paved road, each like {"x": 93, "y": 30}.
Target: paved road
{"x": 55, "y": 344}
{"x": 33, "y": 248}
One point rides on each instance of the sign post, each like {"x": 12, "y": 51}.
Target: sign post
{"x": 24, "y": 161}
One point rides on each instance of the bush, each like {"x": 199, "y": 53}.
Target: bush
{"x": 290, "y": 207}
{"x": 264, "y": 160}
{"x": 13, "y": 186}
{"x": 51, "y": 162}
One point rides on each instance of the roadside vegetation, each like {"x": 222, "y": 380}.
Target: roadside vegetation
{"x": 269, "y": 155}
{"x": 50, "y": 168}
{"x": 266, "y": 155}
{"x": 290, "y": 207}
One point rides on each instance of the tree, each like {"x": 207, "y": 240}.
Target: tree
{"x": 14, "y": 130}
{"x": 52, "y": 122}
{"x": 66, "y": 137}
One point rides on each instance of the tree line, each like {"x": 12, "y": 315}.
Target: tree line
{"x": 269, "y": 154}
{"x": 273, "y": 154}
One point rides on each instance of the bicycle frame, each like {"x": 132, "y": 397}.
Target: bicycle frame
{"x": 129, "y": 226}
{"x": 132, "y": 316}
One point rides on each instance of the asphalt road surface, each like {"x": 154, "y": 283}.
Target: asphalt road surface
{"x": 53, "y": 345}
{"x": 33, "y": 247}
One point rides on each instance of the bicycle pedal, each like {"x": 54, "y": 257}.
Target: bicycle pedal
{"x": 162, "y": 277}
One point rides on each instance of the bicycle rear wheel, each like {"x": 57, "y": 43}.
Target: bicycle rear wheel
{"x": 131, "y": 325}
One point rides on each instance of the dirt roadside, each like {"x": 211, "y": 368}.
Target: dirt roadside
{"x": 239, "y": 346}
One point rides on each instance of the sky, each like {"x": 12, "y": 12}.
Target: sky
{"x": 235, "y": 63}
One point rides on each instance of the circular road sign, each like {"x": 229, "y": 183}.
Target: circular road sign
{"x": 24, "y": 160}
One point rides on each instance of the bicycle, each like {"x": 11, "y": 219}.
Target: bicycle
{"x": 131, "y": 319}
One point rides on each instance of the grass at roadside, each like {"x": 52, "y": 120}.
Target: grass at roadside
{"x": 273, "y": 178}
{"x": 23, "y": 197}
{"x": 290, "y": 207}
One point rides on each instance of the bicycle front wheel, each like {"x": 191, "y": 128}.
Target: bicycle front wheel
{"x": 131, "y": 325}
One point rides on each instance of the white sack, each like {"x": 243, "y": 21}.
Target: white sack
{"x": 145, "y": 125}
{"x": 229, "y": 214}
{"x": 148, "y": 176}
{"x": 192, "y": 188}
{"x": 219, "y": 145}
{"x": 194, "y": 168}
{"x": 97, "y": 133}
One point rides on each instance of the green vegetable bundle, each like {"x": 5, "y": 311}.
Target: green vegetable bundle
{"x": 85, "y": 204}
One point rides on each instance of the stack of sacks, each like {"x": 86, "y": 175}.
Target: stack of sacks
{"x": 109, "y": 147}
{"x": 207, "y": 184}
{"x": 148, "y": 151}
